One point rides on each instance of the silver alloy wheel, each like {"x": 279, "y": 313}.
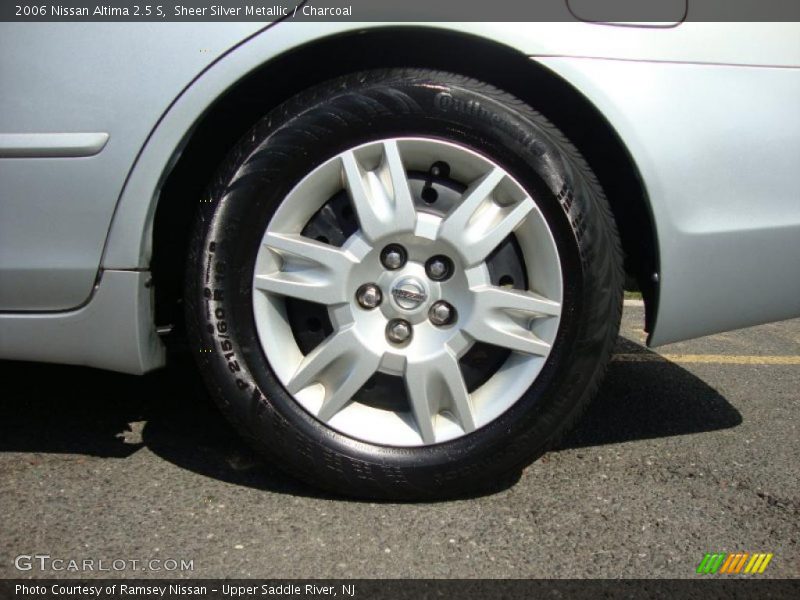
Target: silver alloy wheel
{"x": 290, "y": 265}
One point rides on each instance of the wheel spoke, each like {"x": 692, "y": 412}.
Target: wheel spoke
{"x": 501, "y": 317}
{"x": 311, "y": 270}
{"x": 478, "y": 225}
{"x": 381, "y": 198}
{"x": 341, "y": 365}
{"x": 433, "y": 384}
{"x": 503, "y": 299}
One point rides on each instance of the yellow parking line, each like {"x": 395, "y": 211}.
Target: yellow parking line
{"x": 720, "y": 359}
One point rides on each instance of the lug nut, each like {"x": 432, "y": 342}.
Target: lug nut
{"x": 369, "y": 295}
{"x": 393, "y": 257}
{"x": 439, "y": 268}
{"x": 442, "y": 313}
{"x": 398, "y": 331}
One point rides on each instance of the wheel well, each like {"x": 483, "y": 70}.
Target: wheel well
{"x": 256, "y": 94}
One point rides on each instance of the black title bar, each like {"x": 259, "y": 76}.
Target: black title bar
{"x": 706, "y": 588}
{"x": 656, "y": 12}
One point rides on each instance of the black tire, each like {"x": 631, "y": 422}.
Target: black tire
{"x": 322, "y": 122}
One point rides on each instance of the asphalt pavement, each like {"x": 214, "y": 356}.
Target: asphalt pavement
{"x": 689, "y": 450}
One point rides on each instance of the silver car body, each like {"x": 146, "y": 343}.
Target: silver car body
{"x": 93, "y": 116}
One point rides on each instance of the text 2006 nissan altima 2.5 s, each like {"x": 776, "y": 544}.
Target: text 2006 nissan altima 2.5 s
{"x": 397, "y": 252}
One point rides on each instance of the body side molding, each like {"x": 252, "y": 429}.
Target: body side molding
{"x": 51, "y": 145}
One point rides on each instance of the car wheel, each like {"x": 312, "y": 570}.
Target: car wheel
{"x": 404, "y": 284}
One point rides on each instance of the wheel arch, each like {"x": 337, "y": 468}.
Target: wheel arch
{"x": 252, "y": 96}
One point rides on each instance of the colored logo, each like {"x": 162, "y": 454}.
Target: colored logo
{"x": 739, "y": 562}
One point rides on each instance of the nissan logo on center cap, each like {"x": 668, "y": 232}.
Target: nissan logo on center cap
{"x": 409, "y": 293}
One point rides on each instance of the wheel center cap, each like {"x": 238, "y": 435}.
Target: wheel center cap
{"x": 409, "y": 293}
